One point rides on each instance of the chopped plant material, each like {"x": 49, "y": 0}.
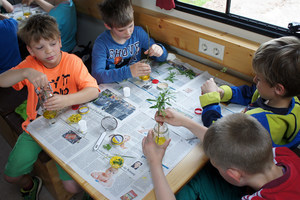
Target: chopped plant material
{"x": 188, "y": 73}
{"x": 171, "y": 77}
{"x": 107, "y": 147}
{"x": 224, "y": 69}
{"x": 118, "y": 161}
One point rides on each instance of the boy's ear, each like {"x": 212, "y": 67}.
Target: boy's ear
{"x": 234, "y": 174}
{"x": 106, "y": 26}
{"x": 279, "y": 89}
{"x": 60, "y": 44}
{"x": 30, "y": 50}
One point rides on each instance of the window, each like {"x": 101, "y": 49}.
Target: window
{"x": 268, "y": 17}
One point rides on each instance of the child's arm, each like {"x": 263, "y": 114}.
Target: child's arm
{"x": 177, "y": 119}
{"x": 157, "y": 51}
{"x": 46, "y": 6}
{"x": 7, "y": 6}
{"x": 211, "y": 86}
{"x": 58, "y": 102}
{"x": 2, "y": 17}
{"x": 212, "y": 95}
{"x": 11, "y": 77}
{"x": 100, "y": 56}
{"x": 154, "y": 154}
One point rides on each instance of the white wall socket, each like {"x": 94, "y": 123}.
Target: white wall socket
{"x": 212, "y": 49}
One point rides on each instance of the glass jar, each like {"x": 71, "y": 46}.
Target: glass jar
{"x": 44, "y": 94}
{"x": 146, "y": 77}
{"x": 161, "y": 133}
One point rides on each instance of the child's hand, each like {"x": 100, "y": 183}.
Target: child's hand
{"x": 172, "y": 117}
{"x": 140, "y": 69}
{"x": 28, "y": 2}
{"x": 211, "y": 86}
{"x": 37, "y": 78}
{"x": 57, "y": 102}
{"x": 153, "y": 152}
{"x": 154, "y": 50}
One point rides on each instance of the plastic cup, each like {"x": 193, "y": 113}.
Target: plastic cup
{"x": 126, "y": 91}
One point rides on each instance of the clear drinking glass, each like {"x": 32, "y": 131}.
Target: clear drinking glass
{"x": 26, "y": 10}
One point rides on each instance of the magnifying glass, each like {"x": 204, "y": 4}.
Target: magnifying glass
{"x": 109, "y": 124}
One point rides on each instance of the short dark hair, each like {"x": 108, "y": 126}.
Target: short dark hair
{"x": 116, "y": 13}
{"x": 239, "y": 141}
{"x": 37, "y": 27}
{"x": 278, "y": 60}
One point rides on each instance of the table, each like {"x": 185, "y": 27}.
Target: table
{"x": 177, "y": 175}
{"x": 22, "y": 12}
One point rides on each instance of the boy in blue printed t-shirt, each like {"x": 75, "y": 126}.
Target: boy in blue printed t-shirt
{"x": 116, "y": 52}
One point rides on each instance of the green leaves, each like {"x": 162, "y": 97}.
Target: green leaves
{"x": 118, "y": 162}
{"x": 164, "y": 98}
{"x": 171, "y": 77}
{"x": 107, "y": 147}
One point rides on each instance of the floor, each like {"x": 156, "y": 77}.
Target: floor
{"x": 12, "y": 192}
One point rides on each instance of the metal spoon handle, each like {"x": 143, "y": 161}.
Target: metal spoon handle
{"x": 99, "y": 141}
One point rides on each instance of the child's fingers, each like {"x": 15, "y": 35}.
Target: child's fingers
{"x": 166, "y": 144}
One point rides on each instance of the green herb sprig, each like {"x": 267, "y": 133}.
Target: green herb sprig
{"x": 164, "y": 98}
{"x": 148, "y": 32}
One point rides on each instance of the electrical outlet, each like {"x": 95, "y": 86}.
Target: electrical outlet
{"x": 212, "y": 49}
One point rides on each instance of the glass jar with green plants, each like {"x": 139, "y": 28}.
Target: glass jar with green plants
{"x": 161, "y": 131}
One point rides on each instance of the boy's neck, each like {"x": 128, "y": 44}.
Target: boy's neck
{"x": 257, "y": 181}
{"x": 279, "y": 102}
{"x": 116, "y": 39}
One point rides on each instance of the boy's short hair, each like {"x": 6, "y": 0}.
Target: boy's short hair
{"x": 239, "y": 141}
{"x": 37, "y": 27}
{"x": 278, "y": 60}
{"x": 116, "y": 13}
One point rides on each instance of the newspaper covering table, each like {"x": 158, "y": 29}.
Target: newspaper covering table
{"x": 135, "y": 119}
{"x": 22, "y": 11}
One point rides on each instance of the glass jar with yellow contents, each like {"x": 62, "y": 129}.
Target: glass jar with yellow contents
{"x": 161, "y": 133}
{"x": 145, "y": 77}
{"x": 44, "y": 94}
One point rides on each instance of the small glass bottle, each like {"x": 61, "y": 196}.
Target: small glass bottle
{"x": 161, "y": 133}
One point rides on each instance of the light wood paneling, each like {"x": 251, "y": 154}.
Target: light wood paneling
{"x": 185, "y": 35}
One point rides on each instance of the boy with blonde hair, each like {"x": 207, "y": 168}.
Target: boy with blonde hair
{"x": 240, "y": 148}
{"x": 71, "y": 84}
{"x": 117, "y": 51}
{"x": 273, "y": 100}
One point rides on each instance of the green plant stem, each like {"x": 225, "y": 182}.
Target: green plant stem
{"x": 158, "y": 133}
{"x": 148, "y": 42}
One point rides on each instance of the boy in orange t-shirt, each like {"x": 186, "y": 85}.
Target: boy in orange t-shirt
{"x": 71, "y": 84}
